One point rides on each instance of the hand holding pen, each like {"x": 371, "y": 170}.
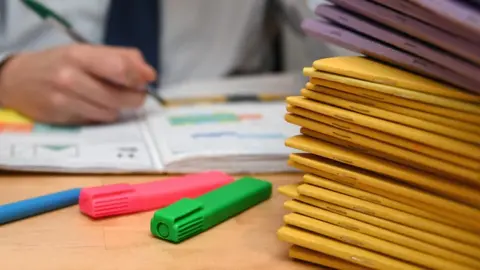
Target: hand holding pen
{"x": 74, "y": 84}
{"x": 64, "y": 25}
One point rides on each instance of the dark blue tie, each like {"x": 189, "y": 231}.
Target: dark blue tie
{"x": 135, "y": 23}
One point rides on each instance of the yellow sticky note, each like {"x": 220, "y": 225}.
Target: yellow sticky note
{"x": 12, "y": 117}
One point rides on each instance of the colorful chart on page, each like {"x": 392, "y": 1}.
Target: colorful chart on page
{"x": 13, "y": 122}
{"x": 199, "y": 119}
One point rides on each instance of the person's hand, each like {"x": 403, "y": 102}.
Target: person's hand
{"x": 75, "y": 84}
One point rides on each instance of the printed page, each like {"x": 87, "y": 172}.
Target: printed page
{"x": 119, "y": 147}
{"x": 223, "y": 136}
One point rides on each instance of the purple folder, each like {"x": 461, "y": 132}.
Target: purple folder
{"x": 420, "y": 13}
{"x": 361, "y": 44}
{"x": 458, "y": 12}
{"x": 413, "y": 27}
{"x": 403, "y": 42}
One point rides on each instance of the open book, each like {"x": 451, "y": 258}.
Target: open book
{"x": 246, "y": 137}
{"x": 239, "y": 137}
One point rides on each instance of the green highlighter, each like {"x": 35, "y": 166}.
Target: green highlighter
{"x": 189, "y": 217}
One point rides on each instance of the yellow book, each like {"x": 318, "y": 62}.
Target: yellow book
{"x": 369, "y": 70}
{"x": 341, "y": 250}
{"x": 385, "y": 186}
{"x": 344, "y": 143}
{"x": 385, "y": 137}
{"x": 412, "y": 176}
{"x": 413, "y": 122}
{"x": 371, "y": 243}
{"x": 445, "y": 121}
{"x": 315, "y": 257}
{"x": 425, "y": 107}
{"x": 434, "y": 213}
{"x": 362, "y": 149}
{"x": 400, "y": 155}
{"x": 434, "y": 239}
{"x": 374, "y": 231}
{"x": 425, "y": 137}
{"x": 373, "y": 152}
{"x": 399, "y": 92}
{"x": 421, "y": 162}
{"x": 461, "y": 175}
{"x": 389, "y": 214}
{"x": 366, "y": 196}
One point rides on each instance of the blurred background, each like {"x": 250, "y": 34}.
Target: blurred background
{"x": 23, "y": 30}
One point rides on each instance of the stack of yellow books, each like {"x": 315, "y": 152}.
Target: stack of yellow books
{"x": 392, "y": 170}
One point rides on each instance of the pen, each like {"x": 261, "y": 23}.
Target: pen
{"x": 189, "y": 217}
{"x": 60, "y": 22}
{"x": 35, "y": 206}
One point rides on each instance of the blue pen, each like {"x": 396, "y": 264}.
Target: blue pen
{"x": 39, "y": 205}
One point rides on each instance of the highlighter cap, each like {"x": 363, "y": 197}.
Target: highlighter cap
{"x": 188, "y": 217}
{"x": 179, "y": 221}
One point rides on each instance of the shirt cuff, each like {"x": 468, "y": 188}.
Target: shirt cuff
{"x": 3, "y": 58}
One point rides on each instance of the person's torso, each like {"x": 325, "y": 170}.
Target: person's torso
{"x": 199, "y": 39}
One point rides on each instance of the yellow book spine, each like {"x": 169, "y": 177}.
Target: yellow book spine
{"x": 371, "y": 243}
{"x": 434, "y": 239}
{"x": 415, "y": 177}
{"x": 341, "y": 250}
{"x": 445, "y": 121}
{"x": 374, "y": 231}
{"x": 385, "y": 137}
{"x": 363, "y": 179}
{"x": 395, "y": 91}
{"x": 308, "y": 255}
{"x": 401, "y": 155}
{"x": 385, "y": 155}
{"x": 366, "y": 196}
{"x": 373, "y": 71}
{"x": 425, "y": 107}
{"x": 442, "y": 142}
{"x": 434, "y": 212}
{"x": 416, "y": 123}
{"x": 390, "y": 214}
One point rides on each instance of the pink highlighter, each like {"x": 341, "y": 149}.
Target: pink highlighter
{"x": 120, "y": 199}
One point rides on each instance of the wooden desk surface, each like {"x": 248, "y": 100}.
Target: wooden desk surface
{"x": 66, "y": 239}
